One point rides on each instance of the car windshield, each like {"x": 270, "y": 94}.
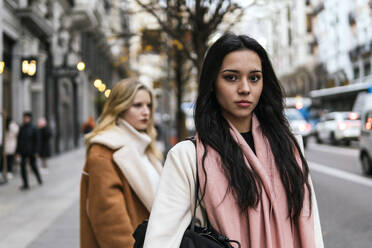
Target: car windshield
{"x": 293, "y": 115}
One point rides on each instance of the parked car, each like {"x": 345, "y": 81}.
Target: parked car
{"x": 336, "y": 127}
{"x": 365, "y": 145}
{"x": 298, "y": 124}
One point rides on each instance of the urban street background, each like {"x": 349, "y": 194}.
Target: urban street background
{"x": 59, "y": 60}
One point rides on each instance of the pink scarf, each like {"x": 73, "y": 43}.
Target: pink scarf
{"x": 267, "y": 226}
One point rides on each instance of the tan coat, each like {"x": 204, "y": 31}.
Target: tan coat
{"x": 117, "y": 189}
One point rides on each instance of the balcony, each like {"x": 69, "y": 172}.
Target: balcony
{"x": 38, "y": 25}
{"x": 83, "y": 17}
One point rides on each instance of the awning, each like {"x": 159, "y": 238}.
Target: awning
{"x": 340, "y": 90}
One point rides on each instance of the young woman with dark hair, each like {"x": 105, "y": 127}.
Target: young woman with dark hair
{"x": 255, "y": 182}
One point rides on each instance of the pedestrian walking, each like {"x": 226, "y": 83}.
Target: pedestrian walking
{"x": 45, "y": 136}
{"x": 11, "y": 132}
{"x": 255, "y": 186}
{"x": 122, "y": 168}
{"x": 27, "y": 148}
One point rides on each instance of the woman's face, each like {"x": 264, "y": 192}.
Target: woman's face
{"x": 238, "y": 87}
{"x": 139, "y": 114}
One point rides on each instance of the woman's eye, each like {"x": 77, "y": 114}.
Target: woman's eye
{"x": 254, "y": 78}
{"x": 149, "y": 105}
{"x": 230, "y": 77}
{"x": 137, "y": 105}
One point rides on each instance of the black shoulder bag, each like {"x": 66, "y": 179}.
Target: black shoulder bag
{"x": 194, "y": 236}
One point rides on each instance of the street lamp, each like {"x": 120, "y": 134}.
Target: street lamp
{"x": 107, "y": 93}
{"x": 25, "y": 66}
{"x": 102, "y": 87}
{"x": 80, "y": 66}
{"x": 97, "y": 83}
{"x": 2, "y": 65}
{"x": 32, "y": 68}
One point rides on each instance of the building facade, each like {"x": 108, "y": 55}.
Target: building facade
{"x": 342, "y": 47}
{"x": 320, "y": 48}
{"x": 41, "y": 44}
{"x": 280, "y": 26}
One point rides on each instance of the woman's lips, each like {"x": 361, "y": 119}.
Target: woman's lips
{"x": 243, "y": 104}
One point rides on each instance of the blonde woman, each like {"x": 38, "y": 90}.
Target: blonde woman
{"x": 122, "y": 168}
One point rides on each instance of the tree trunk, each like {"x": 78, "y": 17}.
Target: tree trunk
{"x": 181, "y": 125}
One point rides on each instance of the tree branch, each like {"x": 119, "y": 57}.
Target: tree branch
{"x": 165, "y": 27}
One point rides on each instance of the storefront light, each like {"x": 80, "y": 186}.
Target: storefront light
{"x": 2, "y": 65}
{"x": 107, "y": 93}
{"x": 102, "y": 88}
{"x": 32, "y": 68}
{"x": 80, "y": 66}
{"x": 25, "y": 66}
{"x": 97, "y": 83}
{"x": 29, "y": 67}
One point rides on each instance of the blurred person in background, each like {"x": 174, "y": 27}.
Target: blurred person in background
{"x": 45, "y": 136}
{"x": 11, "y": 132}
{"x": 28, "y": 147}
{"x": 88, "y": 126}
{"x": 255, "y": 185}
{"x": 122, "y": 168}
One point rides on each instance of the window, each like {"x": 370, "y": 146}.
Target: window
{"x": 356, "y": 72}
{"x": 309, "y": 27}
{"x": 289, "y": 25}
{"x": 367, "y": 68}
{"x": 330, "y": 117}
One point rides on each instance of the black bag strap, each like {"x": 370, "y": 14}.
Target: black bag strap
{"x": 220, "y": 237}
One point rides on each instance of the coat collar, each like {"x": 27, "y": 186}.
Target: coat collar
{"x": 122, "y": 134}
{"x": 129, "y": 147}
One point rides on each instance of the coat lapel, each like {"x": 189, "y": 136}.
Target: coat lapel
{"x": 129, "y": 146}
{"x": 141, "y": 176}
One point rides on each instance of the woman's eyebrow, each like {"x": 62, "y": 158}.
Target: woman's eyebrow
{"x": 231, "y": 70}
{"x": 237, "y": 71}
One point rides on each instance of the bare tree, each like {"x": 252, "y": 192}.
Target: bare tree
{"x": 190, "y": 24}
{"x": 199, "y": 19}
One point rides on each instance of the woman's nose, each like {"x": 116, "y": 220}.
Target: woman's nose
{"x": 146, "y": 111}
{"x": 244, "y": 87}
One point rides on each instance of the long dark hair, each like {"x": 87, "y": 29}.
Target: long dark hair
{"x": 214, "y": 131}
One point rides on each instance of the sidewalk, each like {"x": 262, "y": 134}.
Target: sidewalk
{"x": 45, "y": 216}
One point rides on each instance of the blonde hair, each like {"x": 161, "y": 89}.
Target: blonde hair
{"x": 120, "y": 100}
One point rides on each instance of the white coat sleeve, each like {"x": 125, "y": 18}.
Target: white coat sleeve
{"x": 171, "y": 212}
{"x": 317, "y": 227}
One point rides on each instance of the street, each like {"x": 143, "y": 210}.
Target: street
{"x": 343, "y": 194}
{"x": 48, "y": 216}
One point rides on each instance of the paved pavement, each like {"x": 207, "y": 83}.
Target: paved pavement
{"x": 44, "y": 216}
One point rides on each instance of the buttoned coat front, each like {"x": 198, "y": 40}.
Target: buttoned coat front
{"x": 117, "y": 188}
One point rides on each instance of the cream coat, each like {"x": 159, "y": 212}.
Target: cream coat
{"x": 172, "y": 210}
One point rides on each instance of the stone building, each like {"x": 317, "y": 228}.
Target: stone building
{"x": 320, "y": 48}
{"x": 53, "y": 37}
{"x": 342, "y": 47}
